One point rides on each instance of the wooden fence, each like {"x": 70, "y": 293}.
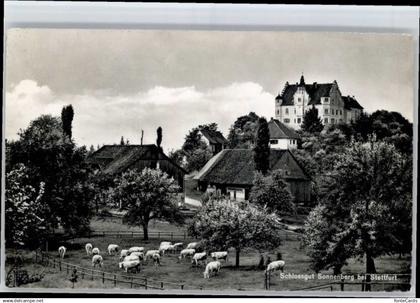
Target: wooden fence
{"x": 93, "y": 274}
{"x": 364, "y": 285}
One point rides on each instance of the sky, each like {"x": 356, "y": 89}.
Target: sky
{"x": 123, "y": 81}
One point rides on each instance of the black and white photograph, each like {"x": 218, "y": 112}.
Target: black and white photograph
{"x": 202, "y": 161}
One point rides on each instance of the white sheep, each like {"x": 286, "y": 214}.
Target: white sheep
{"x": 123, "y": 254}
{"x": 212, "y": 267}
{"x": 162, "y": 244}
{"x": 131, "y": 258}
{"x": 88, "y": 248}
{"x": 137, "y": 254}
{"x": 199, "y": 257}
{"x": 178, "y": 245}
{"x": 62, "y": 251}
{"x": 219, "y": 255}
{"x": 186, "y": 252}
{"x": 192, "y": 245}
{"x": 166, "y": 248}
{"x": 95, "y": 251}
{"x": 150, "y": 254}
{"x": 156, "y": 259}
{"x": 97, "y": 260}
{"x": 275, "y": 265}
{"x": 135, "y": 248}
{"x": 113, "y": 249}
{"x": 126, "y": 265}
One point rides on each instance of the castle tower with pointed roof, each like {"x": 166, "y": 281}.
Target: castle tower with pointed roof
{"x": 333, "y": 108}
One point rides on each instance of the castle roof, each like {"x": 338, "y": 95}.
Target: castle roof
{"x": 316, "y": 91}
{"x": 350, "y": 102}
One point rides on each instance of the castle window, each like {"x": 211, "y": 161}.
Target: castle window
{"x": 326, "y": 100}
{"x": 336, "y": 112}
{"x": 325, "y": 120}
{"x": 287, "y": 111}
{"x": 299, "y": 100}
{"x": 298, "y": 120}
{"x": 278, "y": 112}
{"x": 286, "y": 120}
{"x": 341, "y": 112}
{"x": 326, "y": 111}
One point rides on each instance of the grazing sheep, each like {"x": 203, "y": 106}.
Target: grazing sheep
{"x": 113, "y": 249}
{"x": 275, "y": 265}
{"x": 97, "y": 260}
{"x": 199, "y": 257}
{"x": 219, "y": 255}
{"x": 62, "y": 251}
{"x": 168, "y": 247}
{"x": 123, "y": 254}
{"x": 135, "y": 248}
{"x": 88, "y": 248}
{"x": 137, "y": 254}
{"x": 192, "y": 245}
{"x": 95, "y": 251}
{"x": 186, "y": 252}
{"x": 150, "y": 254}
{"x": 156, "y": 259}
{"x": 178, "y": 245}
{"x": 162, "y": 244}
{"x": 131, "y": 258}
{"x": 212, "y": 267}
{"x": 130, "y": 264}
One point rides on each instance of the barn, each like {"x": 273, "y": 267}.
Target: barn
{"x": 232, "y": 171}
{"x": 115, "y": 159}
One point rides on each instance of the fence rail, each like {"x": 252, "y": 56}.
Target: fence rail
{"x": 83, "y": 272}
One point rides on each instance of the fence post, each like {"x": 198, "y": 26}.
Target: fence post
{"x": 92, "y": 274}
{"x": 115, "y": 280}
{"x": 182, "y": 286}
{"x": 103, "y": 277}
{"x": 145, "y": 283}
{"x": 161, "y": 285}
{"x": 363, "y": 284}
{"x": 83, "y": 273}
{"x": 60, "y": 264}
{"x": 131, "y": 283}
{"x": 342, "y": 285}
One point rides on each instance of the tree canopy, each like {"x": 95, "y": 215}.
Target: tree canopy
{"x": 147, "y": 195}
{"x": 364, "y": 200}
{"x": 272, "y": 191}
{"x": 222, "y": 224}
{"x": 311, "y": 121}
{"x": 67, "y": 115}
{"x": 262, "y": 147}
{"x": 242, "y": 132}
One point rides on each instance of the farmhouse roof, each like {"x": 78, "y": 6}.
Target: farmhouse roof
{"x": 214, "y": 137}
{"x": 114, "y": 159}
{"x": 236, "y": 166}
{"x": 351, "y": 102}
{"x": 280, "y": 131}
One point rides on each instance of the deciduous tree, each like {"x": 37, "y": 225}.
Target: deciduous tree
{"x": 262, "y": 147}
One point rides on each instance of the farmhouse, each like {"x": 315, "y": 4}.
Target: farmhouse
{"x": 296, "y": 99}
{"x": 281, "y": 136}
{"x": 232, "y": 172}
{"x": 115, "y": 159}
{"x": 214, "y": 139}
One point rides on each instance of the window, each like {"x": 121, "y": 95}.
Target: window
{"x": 336, "y": 112}
{"x": 326, "y": 100}
{"x": 286, "y": 111}
{"x": 298, "y": 120}
{"x": 341, "y": 112}
{"x": 326, "y": 111}
{"x": 274, "y": 141}
{"x": 325, "y": 120}
{"x": 278, "y": 112}
{"x": 299, "y": 100}
{"x": 332, "y": 120}
{"x": 286, "y": 120}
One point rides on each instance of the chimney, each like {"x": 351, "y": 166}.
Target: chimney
{"x": 141, "y": 140}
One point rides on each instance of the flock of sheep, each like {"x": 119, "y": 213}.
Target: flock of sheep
{"x": 130, "y": 259}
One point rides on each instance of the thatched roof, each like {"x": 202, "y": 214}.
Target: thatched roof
{"x": 236, "y": 166}
{"x": 114, "y": 159}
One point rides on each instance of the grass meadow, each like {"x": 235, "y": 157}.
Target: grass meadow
{"x": 246, "y": 277}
